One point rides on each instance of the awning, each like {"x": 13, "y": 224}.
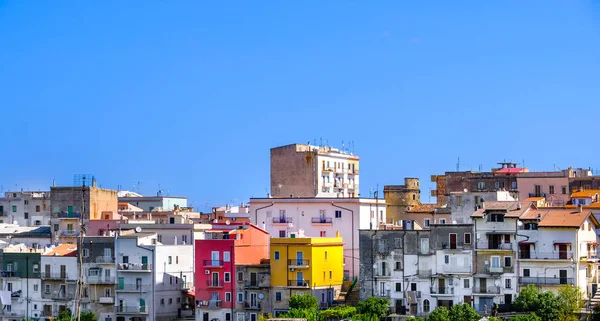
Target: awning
{"x": 562, "y": 243}
{"x": 190, "y": 293}
{"x": 526, "y": 242}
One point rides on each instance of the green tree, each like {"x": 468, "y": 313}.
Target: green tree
{"x": 570, "y": 300}
{"x": 303, "y": 302}
{"x": 88, "y": 316}
{"x": 526, "y": 317}
{"x": 309, "y": 314}
{"x": 528, "y": 299}
{"x": 548, "y": 306}
{"x": 374, "y": 306}
{"x": 595, "y": 314}
{"x": 463, "y": 312}
{"x": 337, "y": 313}
{"x": 439, "y": 314}
{"x": 64, "y": 315}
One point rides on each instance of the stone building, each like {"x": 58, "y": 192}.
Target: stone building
{"x": 404, "y": 203}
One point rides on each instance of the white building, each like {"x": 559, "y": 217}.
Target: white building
{"x": 25, "y": 208}
{"x": 313, "y": 171}
{"x": 59, "y": 274}
{"x": 321, "y": 217}
{"x": 151, "y": 278}
{"x": 151, "y": 203}
{"x": 463, "y": 204}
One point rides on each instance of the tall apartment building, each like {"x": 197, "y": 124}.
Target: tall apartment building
{"x": 59, "y": 275}
{"x": 99, "y": 276}
{"x": 299, "y": 170}
{"x": 25, "y": 208}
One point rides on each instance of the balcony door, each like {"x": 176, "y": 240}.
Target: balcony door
{"x": 214, "y": 255}
{"x": 452, "y": 241}
{"x": 299, "y": 257}
{"x": 483, "y": 285}
{"x": 441, "y": 286}
{"x": 253, "y": 280}
{"x": 300, "y": 278}
{"x": 562, "y": 251}
{"x": 563, "y": 276}
{"x": 525, "y": 250}
{"x": 253, "y": 300}
{"x": 215, "y": 278}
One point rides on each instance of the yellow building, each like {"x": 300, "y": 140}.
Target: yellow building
{"x": 306, "y": 265}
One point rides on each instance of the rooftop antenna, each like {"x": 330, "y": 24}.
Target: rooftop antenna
{"x": 458, "y": 165}
{"x": 480, "y": 167}
{"x": 321, "y": 141}
{"x": 523, "y": 162}
{"x": 352, "y": 146}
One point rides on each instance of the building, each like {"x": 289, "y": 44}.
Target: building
{"x": 25, "y": 208}
{"x": 253, "y": 291}
{"x": 401, "y": 198}
{"x": 59, "y": 274}
{"x": 306, "y": 265}
{"x": 552, "y": 186}
{"x": 224, "y": 247}
{"x": 152, "y": 279}
{"x": 36, "y": 237}
{"x": 463, "y": 204}
{"x": 321, "y": 217}
{"x": 299, "y": 170}
{"x": 151, "y": 203}
{"x": 20, "y": 276}
{"x": 99, "y": 275}
{"x": 222, "y": 214}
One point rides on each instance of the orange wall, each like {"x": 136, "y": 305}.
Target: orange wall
{"x": 252, "y": 247}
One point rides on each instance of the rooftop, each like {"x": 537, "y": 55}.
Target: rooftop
{"x": 62, "y": 250}
{"x": 565, "y": 217}
{"x": 590, "y": 193}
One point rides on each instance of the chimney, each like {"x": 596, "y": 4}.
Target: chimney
{"x": 579, "y": 208}
{"x": 482, "y": 203}
{"x": 518, "y": 206}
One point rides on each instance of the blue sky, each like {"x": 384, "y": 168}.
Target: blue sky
{"x": 191, "y": 95}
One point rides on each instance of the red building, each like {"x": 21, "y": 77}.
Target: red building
{"x": 224, "y": 246}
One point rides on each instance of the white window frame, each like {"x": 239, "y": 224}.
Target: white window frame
{"x": 226, "y": 256}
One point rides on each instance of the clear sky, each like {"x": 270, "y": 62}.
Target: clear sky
{"x": 191, "y": 95}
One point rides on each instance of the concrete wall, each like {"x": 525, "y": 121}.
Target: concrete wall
{"x": 293, "y": 171}
{"x": 526, "y": 187}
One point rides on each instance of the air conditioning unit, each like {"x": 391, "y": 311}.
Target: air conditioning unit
{"x": 291, "y": 269}
{"x": 207, "y": 272}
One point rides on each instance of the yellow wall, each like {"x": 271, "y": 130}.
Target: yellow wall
{"x": 313, "y": 249}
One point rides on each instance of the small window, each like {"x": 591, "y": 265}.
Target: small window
{"x": 170, "y": 301}
{"x": 162, "y": 301}
{"x": 507, "y": 283}
{"x": 480, "y": 185}
{"x": 414, "y": 197}
{"x": 323, "y": 233}
{"x": 427, "y": 222}
{"x": 14, "y": 208}
{"x": 240, "y": 297}
{"x": 240, "y": 276}
{"x": 36, "y": 287}
{"x": 513, "y": 185}
{"x": 467, "y": 238}
{"x": 227, "y": 316}
{"x": 330, "y": 275}
{"x": 458, "y": 200}
{"x": 26, "y": 202}
{"x": 170, "y": 260}
{"x": 86, "y": 252}
{"x": 227, "y": 277}
{"x": 282, "y": 233}
{"x": 551, "y": 189}
{"x": 398, "y": 266}
{"x": 564, "y": 189}
{"x": 47, "y": 288}
{"x": 526, "y": 272}
{"x": 36, "y": 268}
{"x": 398, "y": 287}
{"x": 426, "y": 306}
{"x": 37, "y": 208}
{"x": 442, "y": 221}
{"x": 325, "y": 255}
{"x": 446, "y": 259}
{"x": 466, "y": 283}
{"x": 226, "y": 256}
{"x": 276, "y": 255}
{"x": 26, "y": 215}
{"x": 507, "y": 261}
{"x": 227, "y": 296}
{"x": 338, "y": 214}
{"x": 278, "y": 296}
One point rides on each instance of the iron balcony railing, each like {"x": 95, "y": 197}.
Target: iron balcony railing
{"x": 69, "y": 233}
{"x": 214, "y": 263}
{"x": 214, "y": 284}
{"x": 251, "y": 306}
{"x": 282, "y": 220}
{"x": 105, "y": 259}
{"x": 545, "y": 255}
{"x": 299, "y": 283}
{"x": 298, "y": 262}
{"x": 133, "y": 288}
{"x": 101, "y": 279}
{"x": 537, "y": 194}
{"x": 441, "y": 290}
{"x": 132, "y": 309}
{"x": 322, "y": 220}
{"x": 54, "y": 275}
{"x": 63, "y": 296}
{"x": 134, "y": 267}
{"x": 546, "y": 280}
{"x": 487, "y": 289}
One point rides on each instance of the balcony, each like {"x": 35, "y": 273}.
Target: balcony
{"x": 545, "y": 255}
{"x": 12, "y": 313}
{"x": 486, "y": 289}
{"x": 66, "y": 215}
{"x": 69, "y": 233}
{"x": 131, "y": 310}
{"x": 135, "y": 267}
{"x": 54, "y": 276}
{"x": 250, "y": 306}
{"x": 483, "y": 245}
{"x": 213, "y": 263}
{"x": 321, "y": 220}
{"x": 383, "y": 293}
{"x": 299, "y": 283}
{"x": 425, "y": 273}
{"x": 353, "y": 172}
{"x": 537, "y": 195}
{"x": 137, "y": 288}
{"x": 327, "y": 169}
{"x": 209, "y": 304}
{"x": 97, "y": 279}
{"x": 382, "y": 273}
{"x": 545, "y": 280}
{"x": 282, "y": 220}
{"x": 593, "y": 258}
{"x": 105, "y": 260}
{"x": 255, "y": 285}
{"x": 106, "y": 300}
{"x": 298, "y": 263}
{"x": 16, "y": 294}
{"x": 436, "y": 290}
{"x": 498, "y": 269}
{"x": 451, "y": 269}
{"x": 214, "y": 284}
{"x": 63, "y": 296}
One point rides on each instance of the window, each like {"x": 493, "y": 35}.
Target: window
{"x": 276, "y": 255}
{"x": 480, "y": 185}
{"x": 125, "y": 259}
{"x": 26, "y": 214}
{"x": 398, "y": 287}
{"x": 227, "y": 316}
{"x": 459, "y": 201}
{"x": 36, "y": 287}
{"x": 551, "y": 189}
{"x": 499, "y": 185}
{"x": 330, "y": 275}
{"x": 495, "y": 261}
{"x": 397, "y": 243}
{"x": 178, "y": 300}
{"x": 226, "y": 256}
{"x": 240, "y": 297}
{"x": 36, "y": 268}
{"x": 398, "y": 266}
{"x": 322, "y": 233}
{"x": 162, "y": 301}
{"x": 507, "y": 261}
{"x": 177, "y": 260}
{"x": 227, "y": 296}
{"x": 563, "y": 189}
{"x": 325, "y": 255}
{"x": 467, "y": 238}
{"x": 55, "y": 227}
{"x": 278, "y": 296}
{"x": 507, "y": 283}
{"x": 526, "y": 272}
{"x": 170, "y": 260}
{"x": 447, "y": 259}
{"x": 427, "y": 222}
{"x": 466, "y": 283}
{"x": 425, "y": 305}
{"x": 338, "y": 214}
{"x": 496, "y": 217}
{"x": 26, "y": 202}
{"x": 282, "y": 233}
{"x": 170, "y": 301}
{"x": 513, "y": 185}
{"x": 413, "y": 287}
{"x": 240, "y": 276}
{"x": 108, "y": 292}
{"x": 184, "y": 238}
{"x": 47, "y": 288}
{"x": 442, "y": 221}
{"x": 14, "y": 208}
{"x": 227, "y": 277}
{"x": 37, "y": 208}
{"x": 86, "y": 252}
{"x": 414, "y": 197}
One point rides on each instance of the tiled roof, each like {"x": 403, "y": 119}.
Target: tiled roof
{"x": 422, "y": 208}
{"x": 590, "y": 193}
{"x": 63, "y": 250}
{"x": 510, "y": 207}
{"x": 565, "y": 217}
{"x": 510, "y": 170}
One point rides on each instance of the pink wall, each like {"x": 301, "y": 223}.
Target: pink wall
{"x": 526, "y": 185}
{"x": 97, "y": 226}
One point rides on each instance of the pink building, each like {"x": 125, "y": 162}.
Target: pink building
{"x": 552, "y": 186}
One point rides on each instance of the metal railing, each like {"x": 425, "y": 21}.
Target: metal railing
{"x": 493, "y": 246}
{"x": 298, "y": 262}
{"x": 66, "y": 215}
{"x": 54, "y": 275}
{"x": 441, "y": 290}
{"x": 487, "y": 289}
{"x": 12, "y": 313}
{"x": 100, "y": 279}
{"x": 382, "y": 273}
{"x": 255, "y": 285}
{"x": 214, "y": 263}
{"x": 282, "y": 220}
{"x": 132, "y": 309}
{"x": 545, "y": 280}
{"x": 69, "y": 233}
{"x": 299, "y": 283}
{"x": 255, "y": 306}
{"x": 63, "y": 296}
{"x": 545, "y": 255}
{"x": 106, "y": 299}
{"x": 537, "y": 194}
{"x": 133, "y": 287}
{"x": 105, "y": 259}
{"x": 134, "y": 267}
{"x": 321, "y": 220}
{"x": 499, "y": 269}
{"x": 214, "y": 284}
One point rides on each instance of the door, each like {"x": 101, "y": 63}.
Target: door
{"x": 300, "y": 278}
{"x": 525, "y": 251}
{"x": 562, "y": 251}
{"x": 253, "y": 300}
{"x": 144, "y": 261}
{"x": 442, "y": 286}
{"x": 253, "y": 281}
{"x": 508, "y": 299}
{"x": 138, "y": 284}
{"x": 299, "y": 256}
{"x": 215, "y": 279}
{"x": 121, "y": 283}
{"x": 120, "y": 306}
{"x": 47, "y": 270}
{"x": 107, "y": 276}
{"x": 252, "y": 316}
{"x": 563, "y": 276}
{"x": 142, "y": 305}
{"x": 63, "y": 271}
{"x": 453, "y": 241}
{"x": 483, "y": 285}
{"x": 214, "y": 255}
{"x": 205, "y": 316}
{"x": 467, "y": 299}
{"x": 107, "y": 252}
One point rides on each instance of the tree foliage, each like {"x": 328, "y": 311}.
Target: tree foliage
{"x": 528, "y": 298}
{"x": 337, "y": 313}
{"x": 439, "y": 314}
{"x": 570, "y": 300}
{"x": 309, "y": 314}
{"x": 463, "y": 312}
{"x": 303, "y": 302}
{"x": 526, "y": 317}
{"x": 374, "y": 306}
{"x": 88, "y": 316}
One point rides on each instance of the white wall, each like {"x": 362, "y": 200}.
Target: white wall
{"x": 169, "y": 278}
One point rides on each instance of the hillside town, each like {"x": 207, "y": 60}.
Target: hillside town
{"x": 131, "y": 257}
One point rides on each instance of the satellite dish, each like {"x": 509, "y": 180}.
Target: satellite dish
{"x": 466, "y": 190}
{"x": 15, "y": 222}
{"x": 290, "y": 225}
{"x": 138, "y": 229}
{"x": 216, "y": 221}
{"x": 261, "y": 296}
{"x": 486, "y": 262}
{"x": 227, "y": 222}
{"x": 497, "y": 283}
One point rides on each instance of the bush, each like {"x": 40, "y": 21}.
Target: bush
{"x": 303, "y": 302}
{"x": 463, "y": 312}
{"x": 337, "y": 313}
{"x": 439, "y": 314}
{"x": 377, "y": 307}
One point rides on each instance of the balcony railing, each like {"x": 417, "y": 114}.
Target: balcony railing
{"x": 327, "y": 169}
{"x": 449, "y": 269}
{"x": 298, "y": 263}
{"x": 69, "y": 233}
{"x": 537, "y": 195}
{"x": 63, "y": 296}
{"x": 299, "y": 283}
{"x": 101, "y": 279}
{"x": 353, "y": 171}
{"x": 424, "y": 272}
{"x": 132, "y": 310}
{"x": 105, "y": 259}
{"x": 322, "y": 220}
{"x": 382, "y": 273}
{"x": 54, "y": 275}
{"x": 133, "y": 288}
{"x": 135, "y": 267}
{"x": 250, "y": 306}
{"x": 66, "y": 215}
{"x": 545, "y": 280}
{"x": 487, "y": 289}
{"x": 213, "y": 263}
{"x": 12, "y": 313}
{"x": 282, "y": 220}
{"x": 214, "y": 284}
{"x": 106, "y": 300}
{"x": 494, "y": 246}
{"x": 545, "y": 255}
{"x": 255, "y": 285}
{"x": 498, "y": 269}
{"x": 210, "y": 303}
{"x": 442, "y": 290}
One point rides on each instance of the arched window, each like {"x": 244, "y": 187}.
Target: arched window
{"x": 425, "y": 305}
{"x": 414, "y": 197}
